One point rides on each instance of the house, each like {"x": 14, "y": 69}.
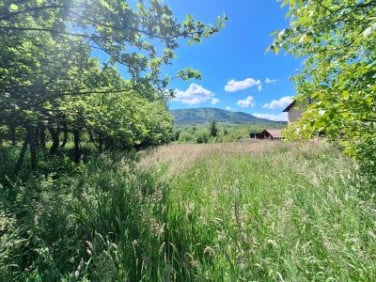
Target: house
{"x": 269, "y": 134}
{"x": 295, "y": 110}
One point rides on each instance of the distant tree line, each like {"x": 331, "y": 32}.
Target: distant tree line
{"x": 214, "y": 132}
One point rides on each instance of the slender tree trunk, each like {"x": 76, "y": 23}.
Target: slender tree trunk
{"x": 65, "y": 131}
{"x": 76, "y": 140}
{"x": 13, "y": 135}
{"x": 55, "y": 140}
{"x": 1, "y": 139}
{"x": 42, "y": 136}
{"x": 21, "y": 157}
{"x": 92, "y": 139}
{"x": 31, "y": 140}
{"x": 33, "y": 147}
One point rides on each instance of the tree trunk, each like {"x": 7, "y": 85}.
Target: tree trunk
{"x": 21, "y": 157}
{"x": 65, "y": 131}
{"x": 13, "y": 135}
{"x": 42, "y": 136}
{"x": 32, "y": 141}
{"x": 76, "y": 140}
{"x": 33, "y": 147}
{"x": 55, "y": 140}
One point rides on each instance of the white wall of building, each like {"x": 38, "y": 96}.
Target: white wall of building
{"x": 294, "y": 114}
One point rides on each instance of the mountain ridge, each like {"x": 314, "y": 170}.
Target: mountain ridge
{"x": 196, "y": 116}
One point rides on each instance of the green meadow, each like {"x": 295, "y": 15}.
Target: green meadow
{"x": 107, "y": 175}
{"x": 254, "y": 211}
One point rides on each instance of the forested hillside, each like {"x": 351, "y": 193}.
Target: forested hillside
{"x": 199, "y": 116}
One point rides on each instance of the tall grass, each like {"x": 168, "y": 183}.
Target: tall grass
{"x": 219, "y": 212}
{"x": 292, "y": 213}
{"x": 99, "y": 225}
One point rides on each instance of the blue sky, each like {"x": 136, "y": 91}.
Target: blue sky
{"x": 238, "y": 73}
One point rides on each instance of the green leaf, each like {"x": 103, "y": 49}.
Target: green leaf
{"x": 13, "y": 7}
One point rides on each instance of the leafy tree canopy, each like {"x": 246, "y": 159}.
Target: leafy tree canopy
{"x": 138, "y": 34}
{"x": 337, "y": 40}
{"x": 49, "y": 81}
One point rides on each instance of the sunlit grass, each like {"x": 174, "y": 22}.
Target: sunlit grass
{"x": 257, "y": 211}
{"x": 271, "y": 211}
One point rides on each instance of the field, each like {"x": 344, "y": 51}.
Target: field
{"x": 253, "y": 211}
{"x": 268, "y": 211}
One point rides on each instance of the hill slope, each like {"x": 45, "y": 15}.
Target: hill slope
{"x": 204, "y": 115}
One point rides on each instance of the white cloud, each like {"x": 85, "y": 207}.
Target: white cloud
{"x": 279, "y": 104}
{"x": 249, "y": 101}
{"x": 228, "y": 108}
{"x": 195, "y": 94}
{"x": 278, "y": 117}
{"x": 233, "y": 85}
{"x": 215, "y": 101}
{"x": 270, "y": 80}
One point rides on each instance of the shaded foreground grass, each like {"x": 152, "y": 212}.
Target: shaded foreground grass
{"x": 219, "y": 212}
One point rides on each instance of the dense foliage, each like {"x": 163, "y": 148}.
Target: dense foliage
{"x": 337, "y": 40}
{"x": 53, "y": 91}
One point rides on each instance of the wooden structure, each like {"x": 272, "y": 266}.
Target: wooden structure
{"x": 268, "y": 134}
